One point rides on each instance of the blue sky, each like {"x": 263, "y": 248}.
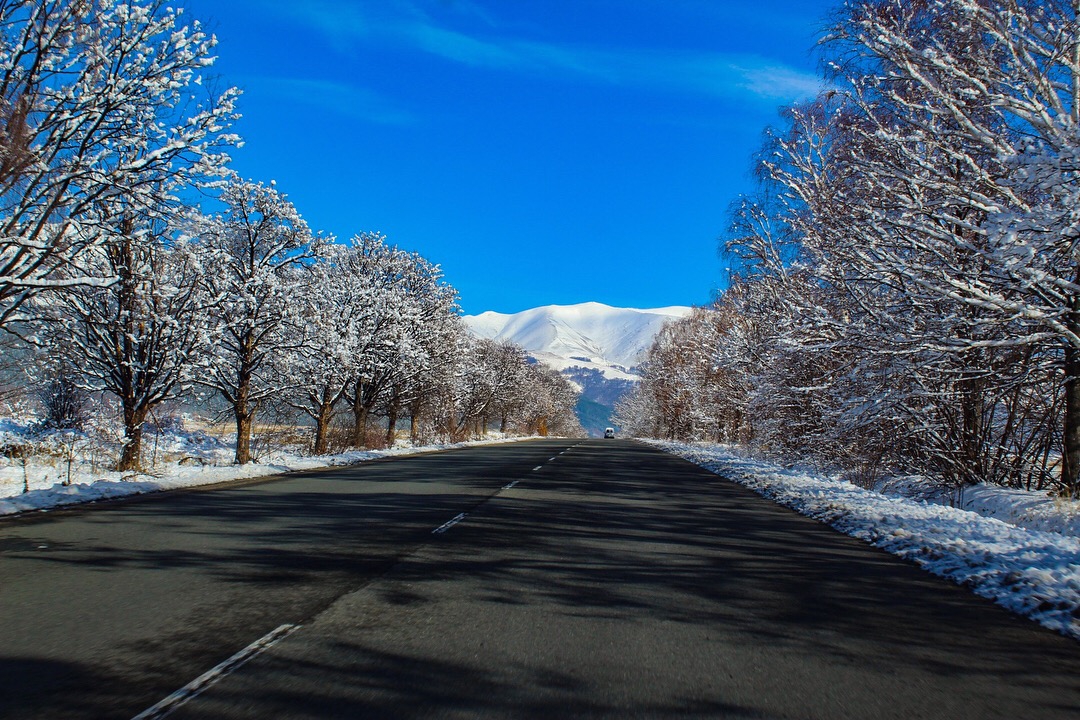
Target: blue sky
{"x": 545, "y": 152}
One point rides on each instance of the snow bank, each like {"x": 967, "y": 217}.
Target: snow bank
{"x": 1024, "y": 508}
{"x": 204, "y": 460}
{"x": 1029, "y": 571}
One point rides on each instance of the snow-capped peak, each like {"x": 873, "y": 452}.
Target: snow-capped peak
{"x": 591, "y": 334}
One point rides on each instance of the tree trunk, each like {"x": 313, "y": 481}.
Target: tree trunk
{"x": 244, "y": 422}
{"x": 971, "y": 432}
{"x": 1070, "y": 451}
{"x": 245, "y": 419}
{"x": 360, "y": 418}
{"x": 131, "y": 455}
{"x": 243, "y": 409}
{"x": 414, "y": 428}
{"x": 391, "y": 425}
{"x": 123, "y": 259}
{"x": 322, "y": 428}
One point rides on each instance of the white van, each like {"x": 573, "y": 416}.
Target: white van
{"x": 609, "y": 433}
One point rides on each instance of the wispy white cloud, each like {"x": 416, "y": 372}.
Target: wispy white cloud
{"x": 709, "y": 74}
{"x": 468, "y": 9}
{"x": 462, "y": 48}
{"x": 342, "y": 23}
{"x": 338, "y": 97}
{"x": 749, "y": 74}
{"x": 715, "y": 74}
{"x": 770, "y": 80}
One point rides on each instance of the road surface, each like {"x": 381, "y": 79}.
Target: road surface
{"x": 594, "y": 578}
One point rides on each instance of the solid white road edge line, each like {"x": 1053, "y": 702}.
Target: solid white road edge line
{"x": 448, "y": 524}
{"x": 215, "y": 673}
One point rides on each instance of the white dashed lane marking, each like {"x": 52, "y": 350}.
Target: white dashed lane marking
{"x": 449, "y": 524}
{"x": 461, "y": 516}
{"x": 215, "y": 673}
{"x": 211, "y": 676}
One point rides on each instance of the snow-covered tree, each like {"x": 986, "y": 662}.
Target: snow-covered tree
{"x": 251, "y": 254}
{"x": 135, "y": 338}
{"x": 368, "y": 320}
{"x": 549, "y": 402}
{"x": 964, "y": 128}
{"x": 98, "y": 100}
{"x": 491, "y": 384}
{"x": 409, "y": 331}
{"x": 425, "y": 350}
{"x": 428, "y": 392}
{"x": 907, "y": 272}
{"x": 687, "y": 392}
{"x": 498, "y": 385}
{"x": 329, "y": 309}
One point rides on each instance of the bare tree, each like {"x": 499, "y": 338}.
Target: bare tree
{"x": 906, "y": 277}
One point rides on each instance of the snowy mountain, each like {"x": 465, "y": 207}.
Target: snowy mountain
{"x": 597, "y": 346}
{"x": 590, "y": 335}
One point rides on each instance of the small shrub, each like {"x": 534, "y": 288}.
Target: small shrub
{"x": 166, "y": 422}
{"x": 338, "y": 436}
{"x": 16, "y": 450}
{"x": 65, "y": 404}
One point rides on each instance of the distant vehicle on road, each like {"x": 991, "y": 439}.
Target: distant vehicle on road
{"x": 609, "y": 433}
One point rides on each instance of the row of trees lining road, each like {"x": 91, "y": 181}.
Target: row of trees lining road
{"x": 118, "y": 282}
{"x": 905, "y": 288}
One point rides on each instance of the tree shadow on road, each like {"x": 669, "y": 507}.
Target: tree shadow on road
{"x": 656, "y": 542}
{"x": 28, "y": 681}
{"x": 638, "y": 542}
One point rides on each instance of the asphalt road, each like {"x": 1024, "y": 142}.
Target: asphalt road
{"x": 611, "y": 580}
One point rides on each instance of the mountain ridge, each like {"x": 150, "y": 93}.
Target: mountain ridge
{"x": 585, "y": 334}
{"x": 596, "y": 346}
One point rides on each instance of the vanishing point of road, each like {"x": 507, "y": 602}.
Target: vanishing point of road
{"x": 541, "y": 579}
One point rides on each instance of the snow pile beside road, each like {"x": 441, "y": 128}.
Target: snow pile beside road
{"x": 1031, "y": 572}
{"x": 69, "y": 475}
{"x": 87, "y": 486}
{"x": 1025, "y": 508}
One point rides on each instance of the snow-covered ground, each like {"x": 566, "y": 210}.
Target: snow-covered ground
{"x": 1018, "y": 548}
{"x": 67, "y": 468}
{"x": 1034, "y": 510}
